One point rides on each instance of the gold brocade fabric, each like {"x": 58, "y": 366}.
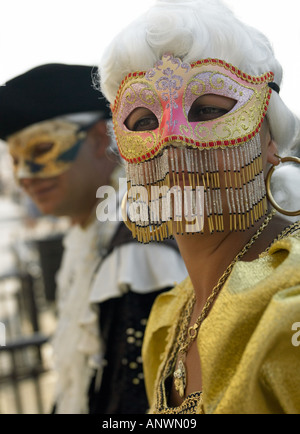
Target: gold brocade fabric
{"x": 191, "y": 405}
{"x": 250, "y": 363}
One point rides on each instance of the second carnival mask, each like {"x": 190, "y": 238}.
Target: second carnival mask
{"x": 45, "y": 149}
{"x": 219, "y": 158}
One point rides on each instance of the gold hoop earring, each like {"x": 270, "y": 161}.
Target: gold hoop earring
{"x": 268, "y": 187}
{"x": 124, "y": 212}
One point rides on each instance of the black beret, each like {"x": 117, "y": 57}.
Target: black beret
{"x": 46, "y": 92}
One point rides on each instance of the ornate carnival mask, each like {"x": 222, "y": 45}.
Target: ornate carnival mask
{"x": 45, "y": 149}
{"x": 223, "y": 154}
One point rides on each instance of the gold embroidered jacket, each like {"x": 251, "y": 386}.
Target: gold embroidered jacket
{"x": 248, "y": 343}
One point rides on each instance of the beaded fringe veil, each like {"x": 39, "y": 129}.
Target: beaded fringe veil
{"x": 211, "y": 181}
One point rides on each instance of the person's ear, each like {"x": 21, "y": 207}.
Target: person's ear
{"x": 272, "y": 152}
{"x": 101, "y": 139}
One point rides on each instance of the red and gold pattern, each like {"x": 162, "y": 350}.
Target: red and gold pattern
{"x": 170, "y": 89}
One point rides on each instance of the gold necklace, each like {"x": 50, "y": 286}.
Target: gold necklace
{"x": 188, "y": 335}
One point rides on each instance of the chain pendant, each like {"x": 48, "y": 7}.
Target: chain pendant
{"x": 180, "y": 379}
{"x": 187, "y": 334}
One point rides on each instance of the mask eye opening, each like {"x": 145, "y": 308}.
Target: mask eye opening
{"x": 41, "y": 149}
{"x": 15, "y": 160}
{"x": 210, "y": 107}
{"x": 141, "y": 119}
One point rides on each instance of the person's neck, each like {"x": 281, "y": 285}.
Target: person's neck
{"x": 207, "y": 256}
{"x": 85, "y": 218}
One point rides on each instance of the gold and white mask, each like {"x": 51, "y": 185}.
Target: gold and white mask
{"x": 45, "y": 149}
{"x": 222, "y": 154}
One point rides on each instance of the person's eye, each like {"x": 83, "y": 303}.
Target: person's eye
{"x": 142, "y": 119}
{"x": 41, "y": 149}
{"x": 207, "y": 114}
{"x": 146, "y": 124}
{"x": 209, "y": 108}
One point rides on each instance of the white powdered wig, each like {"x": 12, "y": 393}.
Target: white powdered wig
{"x": 194, "y": 30}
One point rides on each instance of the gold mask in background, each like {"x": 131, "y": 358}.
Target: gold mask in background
{"x": 45, "y": 149}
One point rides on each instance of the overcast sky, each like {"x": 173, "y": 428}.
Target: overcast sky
{"x": 33, "y": 32}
